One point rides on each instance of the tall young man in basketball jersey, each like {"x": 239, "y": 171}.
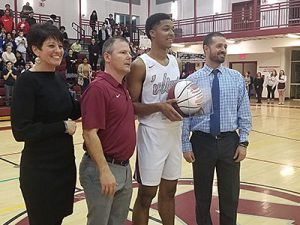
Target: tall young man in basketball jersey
{"x": 159, "y": 132}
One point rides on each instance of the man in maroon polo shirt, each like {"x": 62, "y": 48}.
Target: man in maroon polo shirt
{"x": 109, "y": 136}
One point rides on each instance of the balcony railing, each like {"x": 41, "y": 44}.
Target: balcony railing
{"x": 42, "y": 18}
{"x": 279, "y": 15}
{"x": 264, "y": 17}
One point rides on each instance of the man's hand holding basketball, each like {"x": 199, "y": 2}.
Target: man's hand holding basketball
{"x": 168, "y": 110}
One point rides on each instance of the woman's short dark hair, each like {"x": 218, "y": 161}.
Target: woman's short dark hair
{"x": 154, "y": 20}
{"x": 39, "y": 33}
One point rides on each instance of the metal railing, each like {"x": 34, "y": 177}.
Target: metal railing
{"x": 270, "y": 16}
{"x": 42, "y": 18}
{"x": 136, "y": 31}
{"x": 79, "y": 30}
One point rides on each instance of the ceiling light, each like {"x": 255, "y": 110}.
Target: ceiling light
{"x": 178, "y": 45}
{"x": 293, "y": 35}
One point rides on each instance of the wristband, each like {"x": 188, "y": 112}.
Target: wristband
{"x": 244, "y": 144}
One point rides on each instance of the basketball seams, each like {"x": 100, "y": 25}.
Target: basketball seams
{"x": 198, "y": 94}
{"x": 190, "y": 83}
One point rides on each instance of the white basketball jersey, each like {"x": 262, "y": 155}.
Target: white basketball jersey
{"x": 158, "y": 80}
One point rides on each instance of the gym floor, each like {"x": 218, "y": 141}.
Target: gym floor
{"x": 270, "y": 175}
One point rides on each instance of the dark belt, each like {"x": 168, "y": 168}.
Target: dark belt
{"x": 220, "y": 136}
{"x": 112, "y": 160}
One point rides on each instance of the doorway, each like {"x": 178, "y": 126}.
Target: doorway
{"x": 244, "y": 67}
{"x": 245, "y": 16}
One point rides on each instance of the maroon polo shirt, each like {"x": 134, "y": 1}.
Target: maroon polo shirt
{"x": 107, "y": 106}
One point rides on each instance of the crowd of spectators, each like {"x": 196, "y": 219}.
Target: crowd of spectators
{"x": 79, "y": 63}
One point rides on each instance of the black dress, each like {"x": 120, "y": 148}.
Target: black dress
{"x": 47, "y": 170}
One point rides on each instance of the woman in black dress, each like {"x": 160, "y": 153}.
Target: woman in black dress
{"x": 41, "y": 111}
{"x": 258, "y": 85}
{"x": 93, "y": 19}
{"x": 71, "y": 67}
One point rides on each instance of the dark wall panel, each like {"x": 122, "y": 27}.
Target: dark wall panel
{"x": 135, "y": 2}
{"x": 162, "y": 1}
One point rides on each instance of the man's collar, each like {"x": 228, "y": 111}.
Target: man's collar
{"x": 208, "y": 68}
{"x": 109, "y": 78}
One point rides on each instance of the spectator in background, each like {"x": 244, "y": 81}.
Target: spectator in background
{"x": 20, "y": 64}
{"x": 126, "y": 34}
{"x": 249, "y": 81}
{"x": 64, "y": 33}
{"x": 270, "y": 83}
{"x": 10, "y": 41}
{"x": 2, "y": 44}
{"x": 14, "y": 34}
{"x": 3, "y": 31}
{"x": 93, "y": 54}
{"x": 8, "y": 55}
{"x": 52, "y": 19}
{"x": 258, "y": 85}
{"x": 84, "y": 74}
{"x": 76, "y": 47}
{"x": 93, "y": 19}
{"x": 95, "y": 35}
{"x": 23, "y": 25}
{"x": 118, "y": 31}
{"x": 102, "y": 36}
{"x": 281, "y": 85}
{"x": 9, "y": 75}
{"x": 112, "y": 22}
{"x": 26, "y": 10}
{"x": 21, "y": 43}
{"x": 71, "y": 67}
{"x": 31, "y": 19}
{"x": 7, "y": 7}
{"x": 27, "y": 67}
{"x": 7, "y": 21}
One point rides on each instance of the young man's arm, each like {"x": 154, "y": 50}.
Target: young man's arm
{"x": 135, "y": 81}
{"x": 95, "y": 150}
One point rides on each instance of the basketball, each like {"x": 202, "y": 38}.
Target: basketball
{"x": 189, "y": 97}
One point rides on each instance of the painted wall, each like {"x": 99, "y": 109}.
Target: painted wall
{"x": 267, "y": 53}
{"x": 264, "y": 61}
{"x": 161, "y": 8}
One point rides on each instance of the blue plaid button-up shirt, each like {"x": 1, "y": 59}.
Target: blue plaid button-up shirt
{"x": 234, "y": 105}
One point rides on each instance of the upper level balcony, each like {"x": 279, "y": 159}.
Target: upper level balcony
{"x": 264, "y": 20}
{"x": 254, "y": 21}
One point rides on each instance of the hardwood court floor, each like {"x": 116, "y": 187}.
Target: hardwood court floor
{"x": 270, "y": 175}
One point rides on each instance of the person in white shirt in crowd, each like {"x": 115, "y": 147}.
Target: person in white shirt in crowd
{"x": 21, "y": 43}
{"x": 281, "y": 84}
{"x": 8, "y": 55}
{"x": 270, "y": 83}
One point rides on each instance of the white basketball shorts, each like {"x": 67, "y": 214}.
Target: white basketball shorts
{"x": 159, "y": 155}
